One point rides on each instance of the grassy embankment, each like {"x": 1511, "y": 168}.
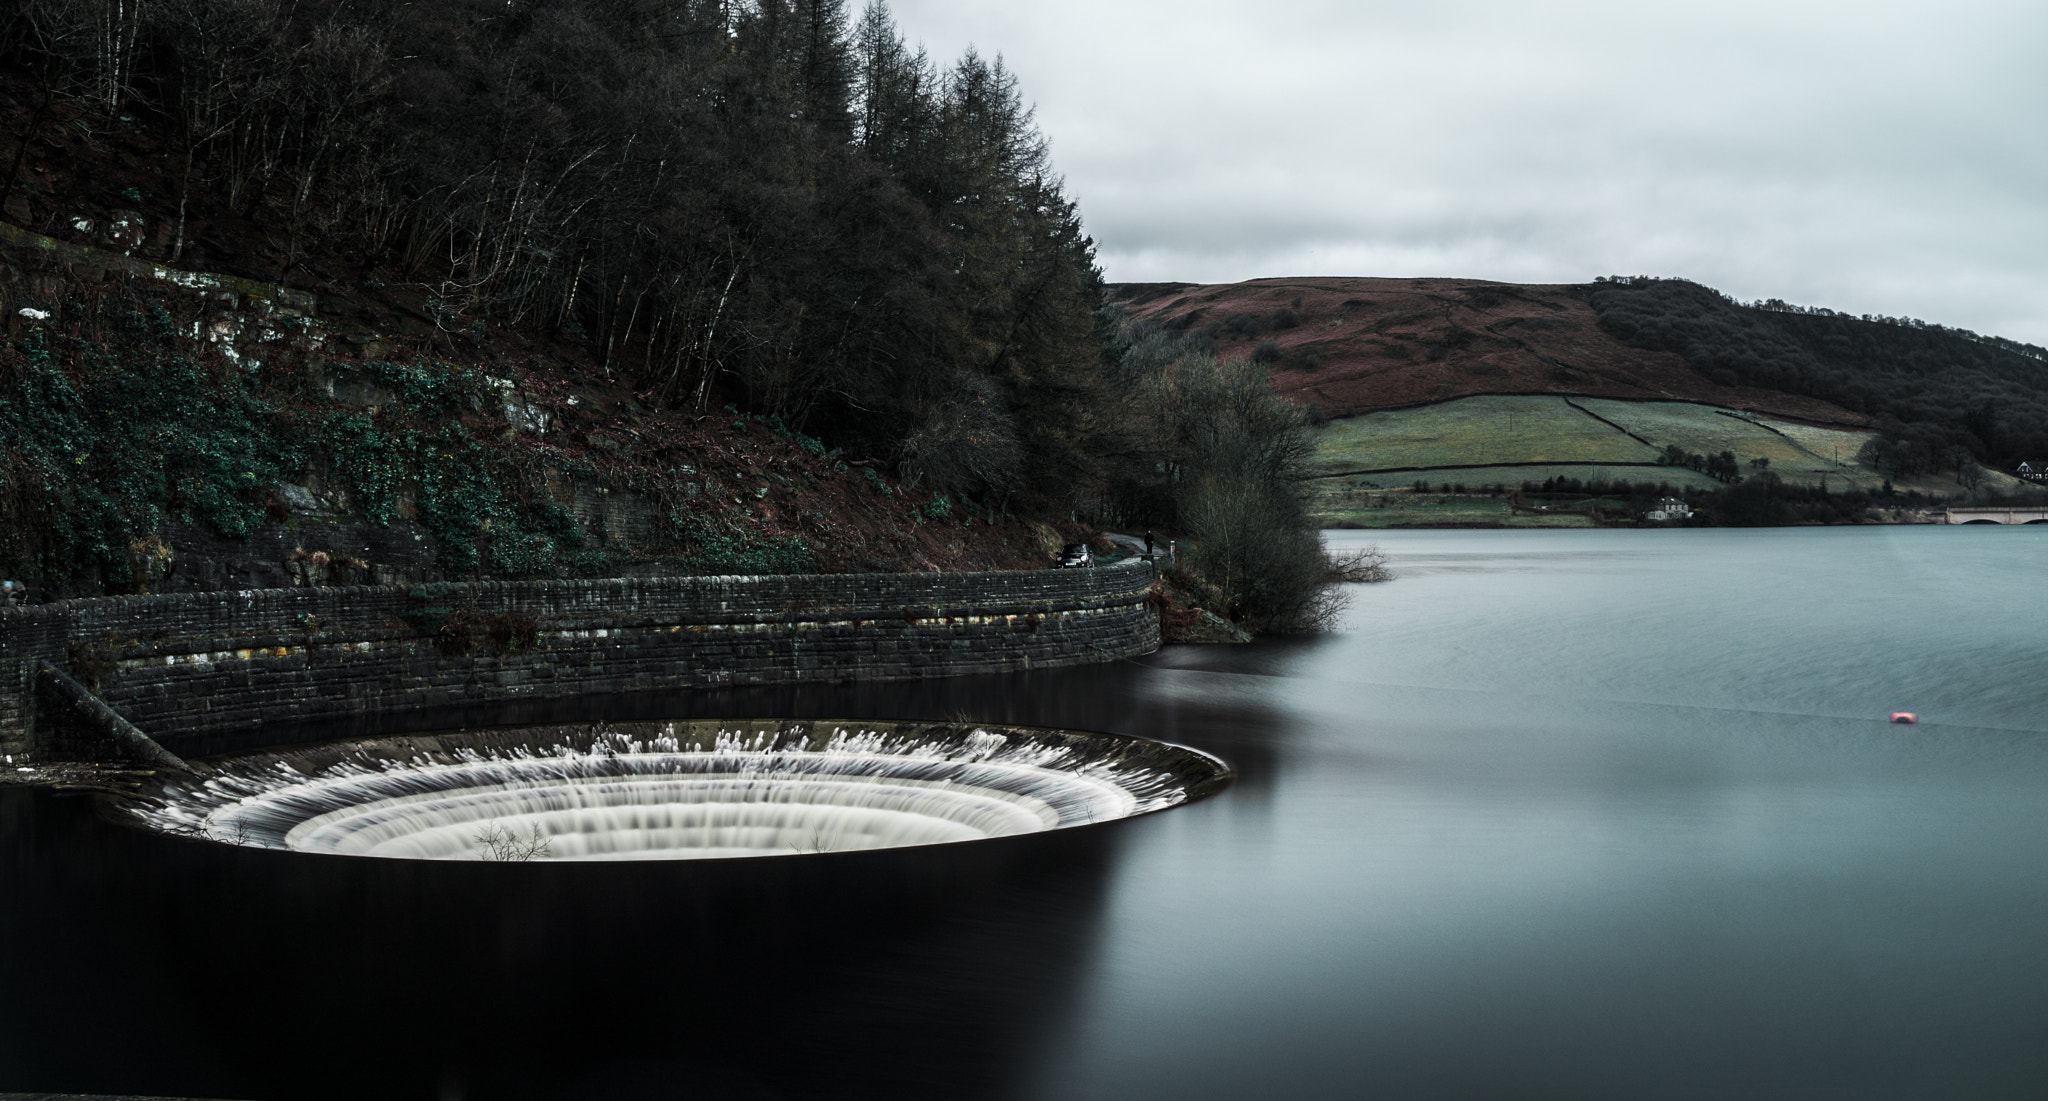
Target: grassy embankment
{"x": 1368, "y": 466}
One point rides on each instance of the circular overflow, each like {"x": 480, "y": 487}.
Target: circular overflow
{"x": 676, "y": 791}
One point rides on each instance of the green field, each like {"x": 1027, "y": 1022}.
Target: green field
{"x": 1708, "y": 431}
{"x": 1468, "y": 431}
{"x": 1546, "y": 436}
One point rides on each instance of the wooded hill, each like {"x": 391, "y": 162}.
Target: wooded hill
{"x": 768, "y": 204}
{"x": 369, "y": 290}
{"x": 1938, "y": 397}
{"x": 320, "y": 291}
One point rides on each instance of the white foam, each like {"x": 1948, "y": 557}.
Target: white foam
{"x": 762, "y": 793}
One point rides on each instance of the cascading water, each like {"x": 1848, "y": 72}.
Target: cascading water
{"x": 678, "y": 791}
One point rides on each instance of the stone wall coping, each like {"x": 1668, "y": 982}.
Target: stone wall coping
{"x": 178, "y": 664}
{"x": 963, "y": 579}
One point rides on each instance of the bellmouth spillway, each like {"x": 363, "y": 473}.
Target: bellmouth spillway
{"x": 677, "y": 791}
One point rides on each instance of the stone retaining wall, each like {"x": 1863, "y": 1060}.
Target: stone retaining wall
{"x": 191, "y": 663}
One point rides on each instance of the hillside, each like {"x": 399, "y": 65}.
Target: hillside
{"x": 1349, "y": 346}
{"x": 1630, "y": 380}
{"x": 1938, "y": 395}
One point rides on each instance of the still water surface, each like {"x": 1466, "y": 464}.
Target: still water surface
{"x": 1572, "y": 814}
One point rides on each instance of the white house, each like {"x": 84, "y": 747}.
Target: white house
{"x": 1669, "y": 508}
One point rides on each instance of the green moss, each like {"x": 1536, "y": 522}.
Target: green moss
{"x": 105, "y": 435}
{"x": 426, "y": 389}
{"x": 719, "y": 552}
{"x": 368, "y": 460}
{"x": 134, "y": 430}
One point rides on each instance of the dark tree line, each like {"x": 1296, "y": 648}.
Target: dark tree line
{"x": 1760, "y": 500}
{"x": 1944, "y": 399}
{"x": 768, "y": 201}
{"x": 1722, "y": 467}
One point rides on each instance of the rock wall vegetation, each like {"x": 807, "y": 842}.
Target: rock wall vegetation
{"x": 159, "y": 436}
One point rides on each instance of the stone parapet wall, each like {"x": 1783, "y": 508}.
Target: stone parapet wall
{"x": 28, "y": 637}
{"x": 16, "y": 712}
{"x": 206, "y": 663}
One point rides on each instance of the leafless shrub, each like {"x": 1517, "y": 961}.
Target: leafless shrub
{"x": 505, "y": 844}
{"x": 1363, "y": 566}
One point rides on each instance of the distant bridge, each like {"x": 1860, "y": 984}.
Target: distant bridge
{"x": 1998, "y": 516}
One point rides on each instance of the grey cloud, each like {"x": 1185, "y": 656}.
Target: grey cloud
{"x": 1876, "y": 157}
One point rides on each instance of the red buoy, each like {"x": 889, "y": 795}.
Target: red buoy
{"x": 1905, "y": 717}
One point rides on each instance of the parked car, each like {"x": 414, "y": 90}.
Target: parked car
{"x": 1074, "y": 556}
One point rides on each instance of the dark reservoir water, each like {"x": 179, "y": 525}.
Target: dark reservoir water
{"x": 1558, "y": 814}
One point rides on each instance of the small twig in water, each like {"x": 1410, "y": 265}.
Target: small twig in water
{"x": 814, "y": 842}
{"x": 501, "y": 843}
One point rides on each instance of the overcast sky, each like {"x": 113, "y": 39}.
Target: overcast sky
{"x": 1873, "y": 157}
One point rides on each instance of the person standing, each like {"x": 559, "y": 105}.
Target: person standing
{"x": 1148, "y": 546}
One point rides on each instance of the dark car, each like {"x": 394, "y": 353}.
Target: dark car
{"x": 1074, "y": 556}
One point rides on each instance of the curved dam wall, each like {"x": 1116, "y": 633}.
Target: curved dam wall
{"x": 190, "y": 663}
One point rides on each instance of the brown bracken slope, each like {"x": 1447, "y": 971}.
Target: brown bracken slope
{"x": 1355, "y": 345}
